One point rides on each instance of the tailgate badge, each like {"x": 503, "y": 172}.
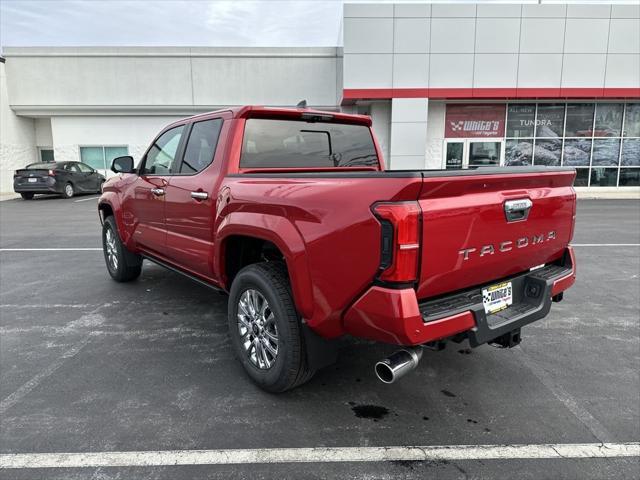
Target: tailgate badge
{"x": 517, "y": 210}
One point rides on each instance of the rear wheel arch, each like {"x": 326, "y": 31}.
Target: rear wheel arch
{"x": 239, "y": 248}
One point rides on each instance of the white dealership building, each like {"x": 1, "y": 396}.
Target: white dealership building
{"x": 447, "y": 86}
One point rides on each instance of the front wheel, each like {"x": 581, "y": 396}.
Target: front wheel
{"x": 265, "y": 328}
{"x": 123, "y": 265}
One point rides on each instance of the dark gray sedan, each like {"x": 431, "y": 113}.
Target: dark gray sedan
{"x": 65, "y": 178}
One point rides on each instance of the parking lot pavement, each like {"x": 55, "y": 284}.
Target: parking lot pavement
{"x": 89, "y": 365}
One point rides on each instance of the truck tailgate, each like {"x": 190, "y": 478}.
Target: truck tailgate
{"x": 467, "y": 237}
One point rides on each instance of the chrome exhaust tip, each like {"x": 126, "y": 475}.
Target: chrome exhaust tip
{"x": 398, "y": 364}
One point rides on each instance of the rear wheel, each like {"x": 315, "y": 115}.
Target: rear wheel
{"x": 27, "y": 195}
{"x": 68, "y": 191}
{"x": 265, "y": 328}
{"x": 123, "y": 265}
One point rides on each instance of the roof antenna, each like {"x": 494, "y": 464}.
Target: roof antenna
{"x": 302, "y": 104}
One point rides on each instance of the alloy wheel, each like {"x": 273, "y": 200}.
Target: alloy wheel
{"x": 112, "y": 252}
{"x": 257, "y": 329}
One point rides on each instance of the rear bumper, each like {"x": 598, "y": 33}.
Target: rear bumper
{"x": 48, "y": 186}
{"x": 395, "y": 315}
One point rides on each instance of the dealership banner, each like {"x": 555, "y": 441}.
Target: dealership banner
{"x": 486, "y": 121}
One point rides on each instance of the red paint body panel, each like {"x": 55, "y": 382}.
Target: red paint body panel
{"x": 562, "y": 284}
{"x": 392, "y": 316}
{"x": 468, "y": 212}
{"x": 323, "y": 225}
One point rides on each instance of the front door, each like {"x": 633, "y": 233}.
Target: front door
{"x": 454, "y": 154}
{"x": 473, "y": 153}
{"x": 190, "y": 200}
{"x": 148, "y": 205}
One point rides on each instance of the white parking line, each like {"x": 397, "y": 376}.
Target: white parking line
{"x": 319, "y": 455}
{"x": 85, "y": 199}
{"x": 50, "y": 249}
{"x": 24, "y": 390}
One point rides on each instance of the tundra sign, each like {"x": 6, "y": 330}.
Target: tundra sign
{"x": 473, "y": 121}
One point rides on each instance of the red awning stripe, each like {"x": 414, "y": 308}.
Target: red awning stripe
{"x": 350, "y": 94}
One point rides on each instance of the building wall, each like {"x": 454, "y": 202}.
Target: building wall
{"x": 56, "y": 81}
{"x": 418, "y": 57}
{"x": 17, "y": 138}
{"x": 443, "y": 48}
{"x": 435, "y": 134}
{"x": 66, "y": 98}
{"x": 136, "y": 132}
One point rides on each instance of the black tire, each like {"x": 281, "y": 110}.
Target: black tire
{"x": 27, "y": 195}
{"x": 289, "y": 369}
{"x": 68, "y": 190}
{"x": 128, "y": 265}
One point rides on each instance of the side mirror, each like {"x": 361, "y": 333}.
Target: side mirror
{"x": 123, "y": 164}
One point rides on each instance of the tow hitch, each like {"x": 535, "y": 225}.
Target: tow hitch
{"x": 508, "y": 340}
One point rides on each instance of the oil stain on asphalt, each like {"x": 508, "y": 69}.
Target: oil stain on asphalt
{"x": 373, "y": 412}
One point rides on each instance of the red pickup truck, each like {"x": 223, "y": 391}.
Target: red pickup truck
{"x": 291, "y": 213}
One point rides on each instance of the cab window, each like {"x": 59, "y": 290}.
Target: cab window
{"x": 201, "y": 146}
{"x": 160, "y": 156}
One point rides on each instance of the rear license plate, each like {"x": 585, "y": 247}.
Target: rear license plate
{"x": 497, "y": 297}
{"x": 33, "y": 180}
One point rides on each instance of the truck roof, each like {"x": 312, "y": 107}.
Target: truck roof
{"x": 259, "y": 111}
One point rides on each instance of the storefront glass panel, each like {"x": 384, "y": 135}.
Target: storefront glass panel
{"x": 608, "y": 119}
{"x": 521, "y": 120}
{"x": 547, "y": 152}
{"x": 630, "y": 177}
{"x": 604, "y": 177}
{"x": 582, "y": 177}
{"x": 550, "y": 121}
{"x": 519, "y": 152}
{"x": 606, "y": 152}
{"x": 484, "y": 154}
{"x": 631, "y": 152}
{"x": 577, "y": 152}
{"x": 455, "y": 151}
{"x": 579, "y": 120}
{"x": 632, "y": 120}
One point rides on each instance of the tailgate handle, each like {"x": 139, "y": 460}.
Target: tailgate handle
{"x": 517, "y": 210}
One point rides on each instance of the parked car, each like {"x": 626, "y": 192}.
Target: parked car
{"x": 66, "y": 178}
{"x": 291, "y": 213}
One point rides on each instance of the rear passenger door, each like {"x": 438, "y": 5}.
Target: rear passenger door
{"x": 190, "y": 199}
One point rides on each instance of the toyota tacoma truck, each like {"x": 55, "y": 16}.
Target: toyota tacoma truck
{"x": 292, "y": 214}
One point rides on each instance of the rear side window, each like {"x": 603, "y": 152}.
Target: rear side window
{"x": 201, "y": 146}
{"x": 271, "y": 143}
{"x": 40, "y": 166}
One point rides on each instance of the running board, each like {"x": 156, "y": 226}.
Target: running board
{"x": 183, "y": 273}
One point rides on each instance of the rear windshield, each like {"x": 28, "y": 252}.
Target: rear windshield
{"x": 40, "y": 166}
{"x": 298, "y": 144}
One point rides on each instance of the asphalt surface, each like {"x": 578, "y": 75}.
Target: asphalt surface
{"x": 90, "y": 365}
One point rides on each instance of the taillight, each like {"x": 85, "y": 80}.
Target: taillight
{"x": 52, "y": 173}
{"x": 400, "y": 247}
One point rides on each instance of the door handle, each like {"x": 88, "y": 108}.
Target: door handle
{"x": 199, "y": 195}
{"x": 158, "y": 192}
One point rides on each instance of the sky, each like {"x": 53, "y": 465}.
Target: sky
{"x": 282, "y": 23}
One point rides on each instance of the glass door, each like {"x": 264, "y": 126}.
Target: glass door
{"x": 484, "y": 153}
{"x": 454, "y": 154}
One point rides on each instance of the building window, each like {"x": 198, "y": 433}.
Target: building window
{"x": 100, "y": 158}
{"x": 46, "y": 155}
{"x": 602, "y": 141}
